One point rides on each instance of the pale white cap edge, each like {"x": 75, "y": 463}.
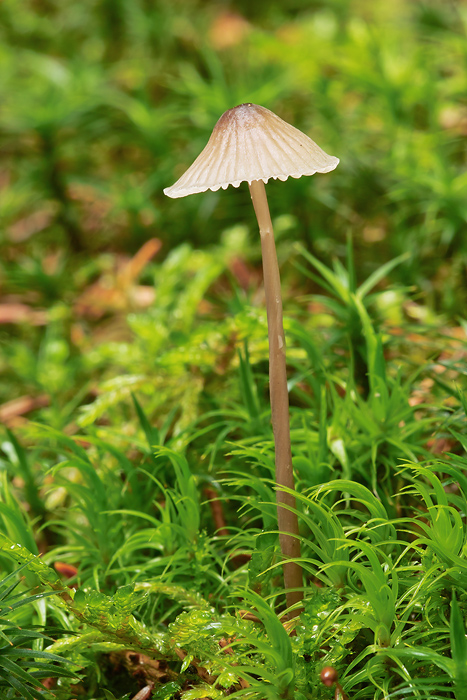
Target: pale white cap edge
{"x": 174, "y": 191}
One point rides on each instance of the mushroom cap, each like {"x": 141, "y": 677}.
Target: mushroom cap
{"x": 249, "y": 143}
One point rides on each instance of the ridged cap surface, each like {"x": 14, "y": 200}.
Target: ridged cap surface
{"x": 249, "y": 143}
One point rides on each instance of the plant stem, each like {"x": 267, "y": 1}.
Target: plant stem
{"x": 287, "y": 519}
{"x": 66, "y": 216}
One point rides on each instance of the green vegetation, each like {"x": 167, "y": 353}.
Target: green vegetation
{"x": 139, "y": 551}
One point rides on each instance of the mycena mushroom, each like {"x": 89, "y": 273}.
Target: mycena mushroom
{"x": 251, "y": 144}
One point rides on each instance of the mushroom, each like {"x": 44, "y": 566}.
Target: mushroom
{"x": 250, "y": 143}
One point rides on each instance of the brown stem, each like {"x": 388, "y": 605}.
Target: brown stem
{"x": 217, "y": 511}
{"x": 287, "y": 520}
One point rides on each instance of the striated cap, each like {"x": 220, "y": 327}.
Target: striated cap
{"x": 249, "y": 143}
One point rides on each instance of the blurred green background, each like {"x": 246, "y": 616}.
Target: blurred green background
{"x": 108, "y": 288}
{"x": 105, "y": 102}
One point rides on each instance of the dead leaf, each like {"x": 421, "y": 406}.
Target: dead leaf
{"x": 118, "y": 292}
{"x": 21, "y": 313}
{"x": 144, "y": 693}
{"x": 67, "y": 570}
{"x": 228, "y": 29}
{"x": 12, "y": 410}
{"x": 26, "y": 227}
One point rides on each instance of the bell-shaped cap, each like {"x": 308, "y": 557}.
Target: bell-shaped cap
{"x": 249, "y": 143}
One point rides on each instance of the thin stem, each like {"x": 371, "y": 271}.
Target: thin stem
{"x": 66, "y": 215}
{"x": 287, "y": 519}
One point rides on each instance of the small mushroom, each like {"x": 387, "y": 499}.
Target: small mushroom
{"x": 252, "y": 144}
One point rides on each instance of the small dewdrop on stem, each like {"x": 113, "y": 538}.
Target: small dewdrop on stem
{"x": 330, "y": 677}
{"x": 251, "y": 144}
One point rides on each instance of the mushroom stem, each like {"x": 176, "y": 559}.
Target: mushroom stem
{"x": 279, "y": 397}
